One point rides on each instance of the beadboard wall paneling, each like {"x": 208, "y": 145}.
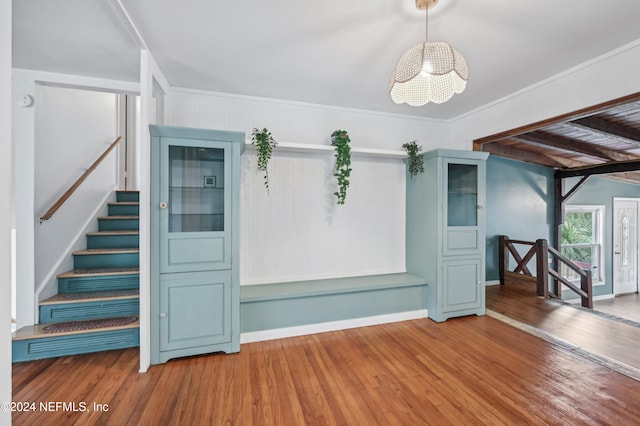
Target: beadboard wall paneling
{"x": 297, "y": 231}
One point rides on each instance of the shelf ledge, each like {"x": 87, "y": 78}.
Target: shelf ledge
{"x": 368, "y": 152}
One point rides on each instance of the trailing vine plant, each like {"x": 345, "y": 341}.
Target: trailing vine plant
{"x": 415, "y": 161}
{"x": 264, "y": 144}
{"x": 340, "y": 139}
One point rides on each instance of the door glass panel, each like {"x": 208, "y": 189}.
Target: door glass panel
{"x": 625, "y": 241}
{"x": 462, "y": 195}
{"x": 196, "y": 189}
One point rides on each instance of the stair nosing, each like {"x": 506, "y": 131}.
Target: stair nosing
{"x": 89, "y": 252}
{"x": 114, "y": 232}
{"x": 73, "y": 274}
{"x": 58, "y": 299}
{"x": 35, "y": 331}
{"x": 119, "y": 217}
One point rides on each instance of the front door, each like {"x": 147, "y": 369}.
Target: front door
{"x": 625, "y": 245}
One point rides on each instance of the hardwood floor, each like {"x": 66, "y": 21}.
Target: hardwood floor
{"x": 609, "y": 339}
{"x": 472, "y": 370}
{"x": 627, "y": 306}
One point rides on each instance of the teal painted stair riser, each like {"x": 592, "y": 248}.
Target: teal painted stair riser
{"x": 98, "y": 283}
{"x": 49, "y": 347}
{"x": 79, "y": 311}
{"x": 113, "y": 241}
{"x": 118, "y": 223}
{"x": 127, "y": 196}
{"x": 124, "y": 209}
{"x": 106, "y": 260}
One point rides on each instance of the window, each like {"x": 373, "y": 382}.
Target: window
{"x": 582, "y": 240}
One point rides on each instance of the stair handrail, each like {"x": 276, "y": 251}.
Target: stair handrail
{"x": 541, "y": 250}
{"x": 78, "y": 182}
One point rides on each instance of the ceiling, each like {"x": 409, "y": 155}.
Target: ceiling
{"x": 342, "y": 53}
{"x": 579, "y": 143}
{"x": 332, "y": 52}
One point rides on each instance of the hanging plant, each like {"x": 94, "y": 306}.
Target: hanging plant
{"x": 340, "y": 139}
{"x": 264, "y": 144}
{"x": 414, "y": 160}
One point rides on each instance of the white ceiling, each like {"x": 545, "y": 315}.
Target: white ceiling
{"x": 332, "y": 52}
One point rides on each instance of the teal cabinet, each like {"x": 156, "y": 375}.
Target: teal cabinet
{"x": 195, "y": 301}
{"x": 446, "y": 232}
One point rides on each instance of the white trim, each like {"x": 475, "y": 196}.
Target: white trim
{"x": 491, "y": 283}
{"x": 131, "y": 26}
{"x": 600, "y": 224}
{"x": 79, "y": 82}
{"x": 302, "y": 330}
{"x": 186, "y": 90}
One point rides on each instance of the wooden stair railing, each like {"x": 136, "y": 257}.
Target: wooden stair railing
{"x": 541, "y": 250}
{"x": 78, "y": 182}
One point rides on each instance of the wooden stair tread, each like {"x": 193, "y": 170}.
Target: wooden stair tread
{"x": 120, "y": 217}
{"x": 87, "y": 252}
{"x": 124, "y": 232}
{"x": 99, "y": 272}
{"x": 35, "y": 331}
{"x": 97, "y": 296}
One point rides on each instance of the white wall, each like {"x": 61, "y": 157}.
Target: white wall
{"x": 297, "y": 231}
{"x": 6, "y": 208}
{"x": 602, "y": 79}
{"x": 73, "y": 128}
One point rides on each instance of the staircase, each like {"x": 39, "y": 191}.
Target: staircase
{"x": 97, "y": 304}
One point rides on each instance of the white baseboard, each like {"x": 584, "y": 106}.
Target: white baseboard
{"x": 494, "y": 282}
{"x": 302, "y": 330}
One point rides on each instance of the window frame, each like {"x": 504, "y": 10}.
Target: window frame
{"x": 598, "y": 212}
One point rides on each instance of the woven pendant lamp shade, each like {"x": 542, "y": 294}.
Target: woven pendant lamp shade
{"x": 429, "y": 72}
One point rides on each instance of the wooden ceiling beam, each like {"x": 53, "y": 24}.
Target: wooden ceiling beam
{"x": 572, "y": 145}
{"x": 600, "y": 169}
{"x": 604, "y": 106}
{"x": 514, "y": 153}
{"x": 609, "y": 129}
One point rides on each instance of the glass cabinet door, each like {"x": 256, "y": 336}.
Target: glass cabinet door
{"x": 462, "y": 194}
{"x": 195, "y": 205}
{"x": 196, "y": 189}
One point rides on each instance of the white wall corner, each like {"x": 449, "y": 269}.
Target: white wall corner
{"x": 6, "y": 207}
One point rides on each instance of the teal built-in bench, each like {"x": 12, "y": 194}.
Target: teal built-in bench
{"x": 293, "y": 304}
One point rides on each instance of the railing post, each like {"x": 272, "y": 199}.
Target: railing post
{"x": 542, "y": 268}
{"x": 503, "y": 257}
{"x": 586, "y": 286}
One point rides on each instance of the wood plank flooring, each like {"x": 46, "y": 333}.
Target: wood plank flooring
{"x": 627, "y": 306}
{"x": 610, "y": 339}
{"x": 472, "y": 370}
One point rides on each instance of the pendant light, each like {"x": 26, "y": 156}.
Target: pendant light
{"x": 429, "y": 72}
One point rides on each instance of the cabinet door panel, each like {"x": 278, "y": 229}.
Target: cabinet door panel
{"x": 462, "y": 287}
{"x": 194, "y": 310}
{"x": 195, "y": 210}
{"x": 195, "y": 250}
{"x": 461, "y": 240}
